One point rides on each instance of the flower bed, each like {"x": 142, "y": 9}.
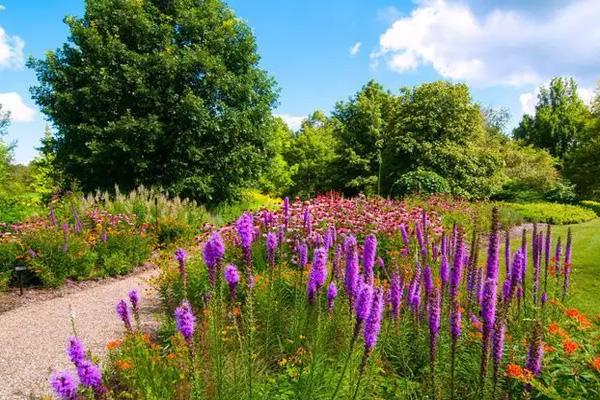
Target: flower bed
{"x": 355, "y": 298}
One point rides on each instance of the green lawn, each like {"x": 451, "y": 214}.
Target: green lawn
{"x": 585, "y": 281}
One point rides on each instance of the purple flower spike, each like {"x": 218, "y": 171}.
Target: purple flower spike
{"x": 180, "y": 256}
{"x": 232, "y": 277}
{"x": 134, "y": 298}
{"x": 245, "y": 230}
{"x": 373, "y": 323}
{"x": 64, "y": 385}
{"x": 185, "y": 320}
{"x": 404, "y": 234}
{"x": 351, "y": 278}
{"x": 498, "y": 344}
{"x": 302, "y": 255}
{"x": 90, "y": 376}
{"x": 271, "y": 248}
{"x": 444, "y": 272}
{"x": 337, "y": 259}
{"x": 536, "y": 350}
{"x": 331, "y": 295}
{"x": 434, "y": 321}
{"x": 318, "y": 273}
{"x": 396, "y": 289}
{"x": 213, "y": 252}
{"x": 286, "y": 212}
{"x": 369, "y": 253}
{"x": 362, "y": 304}
{"x": 427, "y": 281}
{"x": 75, "y": 351}
{"x": 123, "y": 312}
{"x": 307, "y": 222}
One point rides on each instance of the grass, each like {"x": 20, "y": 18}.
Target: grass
{"x": 585, "y": 282}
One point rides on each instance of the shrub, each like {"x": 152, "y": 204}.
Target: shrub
{"x": 552, "y": 213}
{"x": 54, "y": 262}
{"x": 122, "y": 252}
{"x": 592, "y": 205}
{"x": 421, "y": 181}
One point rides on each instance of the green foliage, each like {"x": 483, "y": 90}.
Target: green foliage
{"x": 122, "y": 251}
{"x": 592, "y": 205}
{"x": 560, "y": 116}
{"x": 438, "y": 128}
{"x": 158, "y": 93}
{"x": 552, "y": 213}
{"x": 312, "y": 155}
{"x": 422, "y": 182}
{"x": 277, "y": 179}
{"x": 251, "y": 200}
{"x": 361, "y": 134}
{"x": 56, "y": 261}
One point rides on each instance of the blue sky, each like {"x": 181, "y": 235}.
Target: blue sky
{"x": 323, "y": 51}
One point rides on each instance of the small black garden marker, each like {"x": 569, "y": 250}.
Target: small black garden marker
{"x": 20, "y": 269}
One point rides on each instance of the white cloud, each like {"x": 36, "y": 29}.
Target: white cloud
{"x": 293, "y": 121}
{"x": 388, "y": 14}
{"x": 19, "y": 111}
{"x": 529, "y": 100}
{"x": 2, "y": 8}
{"x": 355, "y": 48}
{"x": 498, "y": 48}
{"x": 11, "y": 51}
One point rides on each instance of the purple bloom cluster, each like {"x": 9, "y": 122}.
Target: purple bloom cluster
{"x": 271, "y": 248}
{"x": 318, "y": 273}
{"x": 213, "y": 252}
{"x": 186, "y": 321}
{"x": 331, "y": 295}
{"x": 123, "y": 312}
{"x": 369, "y": 254}
{"x": 373, "y": 322}
{"x": 232, "y": 277}
{"x": 64, "y": 385}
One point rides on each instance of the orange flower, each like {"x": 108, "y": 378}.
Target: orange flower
{"x": 583, "y": 321}
{"x": 555, "y": 329}
{"x": 548, "y": 348}
{"x": 477, "y": 325}
{"x": 123, "y": 365}
{"x": 569, "y": 346}
{"x": 514, "y": 371}
{"x": 171, "y": 356}
{"x": 596, "y": 363}
{"x": 236, "y": 311}
{"x": 113, "y": 344}
{"x": 572, "y": 312}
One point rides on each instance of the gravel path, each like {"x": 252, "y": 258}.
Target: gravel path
{"x": 33, "y": 337}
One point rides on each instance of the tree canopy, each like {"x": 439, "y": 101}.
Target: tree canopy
{"x": 160, "y": 93}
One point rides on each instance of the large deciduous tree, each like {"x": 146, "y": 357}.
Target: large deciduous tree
{"x": 560, "y": 115}
{"x": 158, "y": 92}
{"x": 361, "y": 134}
{"x": 437, "y": 134}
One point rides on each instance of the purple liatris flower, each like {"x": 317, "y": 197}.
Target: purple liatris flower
{"x": 307, "y": 222}
{"x": 444, "y": 272}
{"x": 427, "y": 280}
{"x": 185, "y": 321}
{"x": 213, "y": 252}
{"x": 64, "y": 385}
{"x": 134, "y": 299}
{"x": 515, "y": 274}
{"x": 536, "y": 350}
{"x": 369, "y": 255}
{"x": 317, "y": 274}
{"x": 123, "y": 312}
{"x": 75, "y": 350}
{"x": 271, "y": 248}
{"x": 232, "y": 277}
{"x": 180, "y": 256}
{"x": 351, "y": 277}
{"x": 488, "y": 307}
{"x": 434, "y": 310}
{"x": 373, "y": 322}
{"x": 281, "y": 235}
{"x": 492, "y": 256}
{"x": 569, "y": 245}
{"x": 245, "y": 230}
{"x": 331, "y": 295}
{"x": 455, "y": 321}
{"x": 498, "y": 344}
{"x": 302, "y": 250}
{"x": 404, "y": 234}
{"x": 286, "y": 212}
{"x": 90, "y": 375}
{"x": 337, "y": 259}
{"x": 420, "y": 238}
{"x": 558, "y": 252}
{"x": 457, "y": 267}
{"x": 362, "y": 304}
{"x": 396, "y": 289}
{"x": 507, "y": 251}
